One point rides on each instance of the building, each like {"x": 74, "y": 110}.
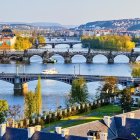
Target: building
{"x": 33, "y": 133}
{"x": 7, "y": 38}
{"x": 120, "y": 127}
{"x": 4, "y": 46}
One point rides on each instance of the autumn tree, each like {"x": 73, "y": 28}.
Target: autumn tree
{"x": 109, "y": 42}
{"x": 79, "y": 91}
{"x": 136, "y": 70}
{"x": 38, "y": 97}
{"x": 109, "y": 87}
{"x": 126, "y": 99}
{"x": 3, "y": 110}
{"x": 29, "y": 104}
{"x": 41, "y": 39}
{"x": 22, "y": 43}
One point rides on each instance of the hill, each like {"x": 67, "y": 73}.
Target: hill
{"x": 126, "y": 24}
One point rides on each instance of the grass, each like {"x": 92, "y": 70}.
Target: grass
{"x": 93, "y": 115}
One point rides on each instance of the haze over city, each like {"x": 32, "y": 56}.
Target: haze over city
{"x": 72, "y": 12}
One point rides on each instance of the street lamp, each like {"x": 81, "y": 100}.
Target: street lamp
{"x": 79, "y": 68}
{"x": 74, "y": 70}
{"x": 17, "y": 69}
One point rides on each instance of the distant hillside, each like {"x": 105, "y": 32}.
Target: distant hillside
{"x": 128, "y": 24}
{"x": 135, "y": 27}
{"x": 45, "y": 24}
{"x": 38, "y": 24}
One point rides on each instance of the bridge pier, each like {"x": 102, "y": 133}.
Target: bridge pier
{"x": 71, "y": 46}
{"x": 111, "y": 60}
{"x": 132, "y": 59}
{"x": 50, "y": 39}
{"x": 67, "y": 59}
{"x": 46, "y": 57}
{"x": 53, "y": 45}
{"x": 18, "y": 89}
{"x": 26, "y": 60}
{"x": 65, "y": 39}
{"x": 89, "y": 59}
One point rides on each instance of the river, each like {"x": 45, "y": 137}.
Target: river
{"x": 55, "y": 93}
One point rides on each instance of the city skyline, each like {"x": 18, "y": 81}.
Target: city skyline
{"x": 68, "y": 12}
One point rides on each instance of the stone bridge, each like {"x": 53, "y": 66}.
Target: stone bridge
{"x": 71, "y": 42}
{"x": 54, "y": 43}
{"x": 24, "y": 56}
{"x": 20, "y": 79}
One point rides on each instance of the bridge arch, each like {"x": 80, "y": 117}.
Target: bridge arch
{"x": 58, "y": 57}
{"x": 66, "y": 81}
{"x": 51, "y": 87}
{"x": 35, "y": 58}
{"x": 100, "y": 58}
{"x": 78, "y": 58}
{"x": 121, "y": 58}
{"x": 138, "y": 59}
{"x": 7, "y": 80}
{"x": 13, "y": 57}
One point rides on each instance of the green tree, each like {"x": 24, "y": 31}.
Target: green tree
{"x": 126, "y": 100}
{"x": 79, "y": 91}
{"x": 38, "y": 97}
{"x": 3, "y": 110}
{"x": 30, "y": 104}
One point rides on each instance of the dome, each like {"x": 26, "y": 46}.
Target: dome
{"x": 6, "y": 30}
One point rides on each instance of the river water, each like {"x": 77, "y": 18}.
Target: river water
{"x": 54, "y": 92}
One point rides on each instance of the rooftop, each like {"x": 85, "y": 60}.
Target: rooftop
{"x": 118, "y": 127}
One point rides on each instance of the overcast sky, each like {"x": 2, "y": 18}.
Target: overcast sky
{"x": 68, "y": 12}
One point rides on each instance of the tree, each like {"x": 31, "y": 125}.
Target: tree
{"x": 38, "y": 97}
{"x": 30, "y": 104}
{"x": 14, "y": 111}
{"x": 126, "y": 100}
{"x": 22, "y": 43}
{"x": 41, "y": 39}
{"x": 109, "y": 42}
{"x": 136, "y": 70}
{"x": 79, "y": 91}
{"x": 109, "y": 87}
{"x": 3, "y": 110}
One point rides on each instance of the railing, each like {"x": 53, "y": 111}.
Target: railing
{"x": 65, "y": 50}
{"x": 65, "y": 75}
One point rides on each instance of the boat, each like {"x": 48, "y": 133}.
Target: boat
{"x": 50, "y": 71}
{"x": 51, "y": 60}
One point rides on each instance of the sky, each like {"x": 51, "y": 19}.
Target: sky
{"x": 67, "y": 12}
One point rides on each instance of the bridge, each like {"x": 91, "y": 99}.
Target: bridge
{"x": 45, "y": 54}
{"x": 65, "y": 38}
{"x": 71, "y": 41}
{"x": 20, "y": 79}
